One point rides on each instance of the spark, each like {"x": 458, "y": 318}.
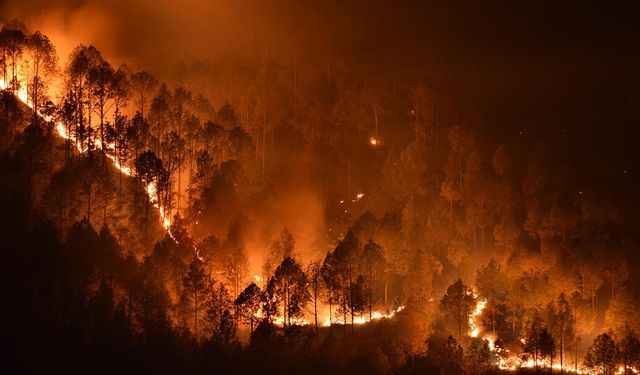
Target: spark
{"x": 358, "y": 197}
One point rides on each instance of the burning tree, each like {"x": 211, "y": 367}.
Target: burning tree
{"x": 314, "y": 276}
{"x": 457, "y": 305}
{"x": 143, "y": 84}
{"x": 288, "y": 288}
{"x": 629, "y": 352}
{"x": 44, "y": 61}
{"x": 248, "y": 304}
{"x": 601, "y": 355}
{"x": 12, "y": 44}
{"x": 148, "y": 169}
{"x": 281, "y": 248}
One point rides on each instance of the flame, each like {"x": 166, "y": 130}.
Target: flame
{"x": 375, "y": 315}
{"x": 61, "y": 130}
{"x": 474, "y": 329}
{"x": 278, "y": 320}
{"x": 374, "y": 141}
{"x": 152, "y": 194}
{"x": 357, "y": 198}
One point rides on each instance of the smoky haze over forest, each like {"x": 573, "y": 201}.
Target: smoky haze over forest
{"x": 455, "y": 182}
{"x": 500, "y": 63}
{"x": 538, "y": 67}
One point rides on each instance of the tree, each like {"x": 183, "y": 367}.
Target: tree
{"x": 83, "y": 61}
{"x": 148, "y": 169}
{"x": 43, "y": 60}
{"x": 532, "y": 341}
{"x": 477, "y": 358}
{"x": 93, "y": 178}
{"x": 491, "y": 281}
{"x": 457, "y": 304}
{"x": 622, "y": 313}
{"x": 345, "y": 257}
{"x": 159, "y": 114}
{"x": 196, "y": 291}
{"x": 282, "y": 247}
{"x": 547, "y": 345}
{"x": 219, "y": 313}
{"x": 314, "y": 276}
{"x": 180, "y": 98}
{"x": 419, "y": 281}
{"x": 564, "y": 327}
{"x": 450, "y": 356}
{"x": 12, "y": 43}
{"x": 100, "y": 79}
{"x": 142, "y": 85}
{"x": 629, "y": 352}
{"x": 289, "y": 288}
{"x": 234, "y": 259}
{"x": 173, "y": 148}
{"x": 331, "y": 281}
{"x": 119, "y": 89}
{"x": 375, "y": 264}
{"x": 117, "y": 136}
{"x": 358, "y": 297}
{"x": 248, "y": 304}
{"x": 137, "y": 132}
{"x": 601, "y": 355}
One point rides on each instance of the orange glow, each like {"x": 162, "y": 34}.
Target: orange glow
{"x": 474, "y": 328}
{"x": 61, "y": 130}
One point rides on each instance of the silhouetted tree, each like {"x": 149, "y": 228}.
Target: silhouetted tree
{"x": 629, "y": 352}
{"x": 142, "y": 84}
{"x": 248, "y": 304}
{"x": 288, "y": 288}
{"x": 196, "y": 292}
{"x": 601, "y": 355}
{"x": 148, "y": 169}
{"x": 457, "y": 304}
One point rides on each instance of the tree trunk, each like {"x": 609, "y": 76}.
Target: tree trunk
{"x": 315, "y": 307}
{"x": 195, "y": 312}
{"x": 351, "y": 296}
{"x": 459, "y": 325}
{"x": 89, "y": 205}
{"x": 330, "y": 306}
{"x": 576, "y": 358}
{"x": 370, "y": 291}
{"x": 561, "y": 344}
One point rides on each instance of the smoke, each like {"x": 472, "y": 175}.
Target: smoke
{"x": 140, "y": 33}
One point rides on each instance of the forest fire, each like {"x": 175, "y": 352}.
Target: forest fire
{"x": 474, "y": 328}
{"x": 363, "y": 319}
{"x": 153, "y": 196}
{"x": 381, "y": 197}
{"x": 61, "y": 130}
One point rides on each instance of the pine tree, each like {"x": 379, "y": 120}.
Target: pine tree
{"x": 457, "y": 304}
{"x": 195, "y": 294}
{"x": 601, "y": 355}
{"x": 289, "y": 288}
{"x": 248, "y": 304}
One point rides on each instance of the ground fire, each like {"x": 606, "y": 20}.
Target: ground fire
{"x": 392, "y": 195}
